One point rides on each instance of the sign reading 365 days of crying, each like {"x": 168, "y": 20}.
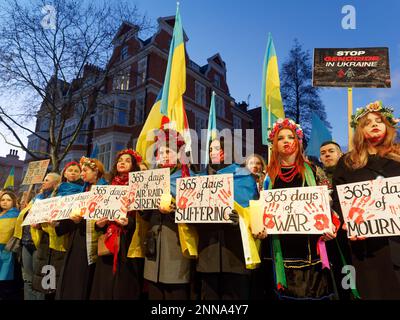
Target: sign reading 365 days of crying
{"x": 296, "y": 210}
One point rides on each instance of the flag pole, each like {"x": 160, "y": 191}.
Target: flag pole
{"x": 349, "y": 114}
{"x": 269, "y": 125}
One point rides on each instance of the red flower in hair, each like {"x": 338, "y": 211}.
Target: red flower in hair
{"x": 133, "y": 153}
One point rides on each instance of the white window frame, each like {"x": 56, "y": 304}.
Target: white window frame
{"x": 124, "y": 53}
{"x": 140, "y": 108}
{"x": 237, "y": 122}
{"x": 141, "y": 71}
{"x": 220, "y": 106}
{"x": 200, "y": 94}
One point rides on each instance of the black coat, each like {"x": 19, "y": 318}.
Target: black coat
{"x": 125, "y": 284}
{"x": 377, "y": 260}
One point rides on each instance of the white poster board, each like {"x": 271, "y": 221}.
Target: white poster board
{"x": 296, "y": 210}
{"x": 204, "y": 199}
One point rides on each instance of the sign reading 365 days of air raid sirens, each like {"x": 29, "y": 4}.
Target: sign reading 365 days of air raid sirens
{"x": 359, "y": 67}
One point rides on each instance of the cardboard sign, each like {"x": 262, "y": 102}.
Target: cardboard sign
{"x": 42, "y": 211}
{"x": 146, "y": 188}
{"x": 371, "y": 208}
{"x": 359, "y": 67}
{"x": 107, "y": 202}
{"x": 75, "y": 204}
{"x": 296, "y": 210}
{"x": 204, "y": 199}
{"x": 36, "y": 172}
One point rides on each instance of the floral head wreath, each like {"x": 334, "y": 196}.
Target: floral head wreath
{"x": 169, "y": 136}
{"x": 88, "y": 162}
{"x": 376, "y": 106}
{"x": 133, "y": 153}
{"x": 72, "y": 163}
{"x": 286, "y": 124}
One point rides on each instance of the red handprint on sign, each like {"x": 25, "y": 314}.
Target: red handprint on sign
{"x": 225, "y": 195}
{"x": 184, "y": 198}
{"x": 357, "y": 210}
{"x": 269, "y": 213}
{"x": 321, "y": 221}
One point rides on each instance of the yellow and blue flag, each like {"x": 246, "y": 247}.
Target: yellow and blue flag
{"x": 212, "y": 127}
{"x": 9, "y": 184}
{"x": 319, "y": 134}
{"x": 271, "y": 92}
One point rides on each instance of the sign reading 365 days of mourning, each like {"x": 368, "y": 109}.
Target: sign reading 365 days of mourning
{"x": 357, "y": 67}
{"x": 296, "y": 210}
{"x": 42, "y": 211}
{"x": 371, "y": 208}
{"x": 107, "y": 202}
{"x": 146, "y": 188}
{"x": 204, "y": 199}
{"x": 36, "y": 172}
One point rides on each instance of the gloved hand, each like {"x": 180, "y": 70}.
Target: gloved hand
{"x": 234, "y": 217}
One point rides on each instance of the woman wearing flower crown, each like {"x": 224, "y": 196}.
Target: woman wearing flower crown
{"x": 298, "y": 268}
{"x": 118, "y": 277}
{"x": 374, "y": 154}
{"x": 77, "y": 274}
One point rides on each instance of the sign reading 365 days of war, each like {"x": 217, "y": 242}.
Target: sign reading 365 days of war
{"x": 146, "y": 188}
{"x": 371, "y": 208}
{"x": 296, "y": 210}
{"x": 204, "y": 199}
{"x": 357, "y": 67}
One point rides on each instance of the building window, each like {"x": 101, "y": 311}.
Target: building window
{"x": 139, "y": 109}
{"x": 120, "y": 146}
{"x": 220, "y": 106}
{"x": 237, "y": 122}
{"x": 105, "y": 155}
{"x": 45, "y": 124}
{"x": 217, "y": 80}
{"x": 142, "y": 70}
{"x": 122, "y": 110}
{"x": 121, "y": 80}
{"x": 200, "y": 124}
{"x": 200, "y": 94}
{"x": 124, "y": 53}
{"x": 82, "y": 135}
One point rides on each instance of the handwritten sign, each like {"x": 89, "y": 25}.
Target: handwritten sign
{"x": 42, "y": 211}
{"x": 146, "y": 188}
{"x": 371, "y": 208}
{"x": 107, "y": 202}
{"x": 296, "y": 210}
{"x": 75, "y": 204}
{"x": 204, "y": 199}
{"x": 36, "y": 172}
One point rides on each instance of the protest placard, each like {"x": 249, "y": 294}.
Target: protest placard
{"x": 36, "y": 172}
{"x": 75, "y": 204}
{"x": 107, "y": 201}
{"x": 204, "y": 199}
{"x": 371, "y": 208}
{"x": 146, "y": 188}
{"x": 296, "y": 210}
{"x": 42, "y": 211}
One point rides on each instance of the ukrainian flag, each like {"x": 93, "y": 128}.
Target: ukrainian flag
{"x": 10, "y": 180}
{"x": 212, "y": 127}
{"x": 145, "y": 142}
{"x": 172, "y": 106}
{"x": 271, "y": 92}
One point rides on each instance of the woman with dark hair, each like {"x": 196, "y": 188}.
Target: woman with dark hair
{"x": 256, "y": 165}
{"x": 375, "y": 154}
{"x": 10, "y": 283}
{"x": 222, "y": 267}
{"x": 118, "y": 277}
{"x": 298, "y": 267}
{"x": 77, "y": 273}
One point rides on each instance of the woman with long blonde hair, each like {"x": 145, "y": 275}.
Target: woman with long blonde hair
{"x": 375, "y": 154}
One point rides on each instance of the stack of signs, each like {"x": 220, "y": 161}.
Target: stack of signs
{"x": 107, "y": 201}
{"x": 204, "y": 199}
{"x": 146, "y": 188}
{"x": 303, "y": 210}
{"x": 371, "y": 208}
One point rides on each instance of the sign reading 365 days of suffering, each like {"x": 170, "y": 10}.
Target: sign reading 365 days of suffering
{"x": 371, "y": 208}
{"x": 296, "y": 210}
{"x": 107, "y": 202}
{"x": 204, "y": 199}
{"x": 146, "y": 188}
